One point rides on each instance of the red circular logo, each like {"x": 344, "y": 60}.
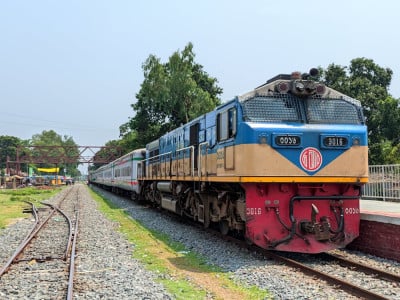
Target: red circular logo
{"x": 311, "y": 159}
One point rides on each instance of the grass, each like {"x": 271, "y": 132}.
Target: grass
{"x": 180, "y": 270}
{"x": 12, "y": 202}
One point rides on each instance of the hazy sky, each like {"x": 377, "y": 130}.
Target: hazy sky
{"x": 75, "y": 66}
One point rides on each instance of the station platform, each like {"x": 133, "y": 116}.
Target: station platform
{"x": 380, "y": 211}
{"x": 379, "y": 229}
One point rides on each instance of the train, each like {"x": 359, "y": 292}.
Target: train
{"x": 283, "y": 166}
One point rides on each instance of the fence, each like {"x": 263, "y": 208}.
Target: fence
{"x": 383, "y": 183}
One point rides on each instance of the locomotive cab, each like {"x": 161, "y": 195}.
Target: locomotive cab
{"x": 314, "y": 141}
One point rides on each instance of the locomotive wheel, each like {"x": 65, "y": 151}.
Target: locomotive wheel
{"x": 224, "y": 227}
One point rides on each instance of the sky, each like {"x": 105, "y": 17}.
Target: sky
{"x": 75, "y": 66}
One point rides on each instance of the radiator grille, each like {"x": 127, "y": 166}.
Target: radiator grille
{"x": 288, "y": 108}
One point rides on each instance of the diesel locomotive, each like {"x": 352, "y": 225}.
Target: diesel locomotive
{"x": 282, "y": 165}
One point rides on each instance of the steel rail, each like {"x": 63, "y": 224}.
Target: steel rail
{"x": 362, "y": 267}
{"x": 353, "y": 289}
{"x": 54, "y": 209}
{"x": 336, "y": 282}
{"x": 10, "y": 261}
{"x": 346, "y": 286}
{"x": 64, "y": 256}
{"x": 35, "y": 229}
{"x": 25, "y": 243}
{"x": 72, "y": 260}
{"x": 34, "y": 211}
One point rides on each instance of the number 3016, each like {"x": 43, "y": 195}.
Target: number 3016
{"x": 253, "y": 211}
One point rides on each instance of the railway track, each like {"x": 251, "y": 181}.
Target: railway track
{"x": 311, "y": 268}
{"x": 316, "y": 265}
{"x": 363, "y": 270}
{"x": 44, "y": 261}
{"x": 342, "y": 260}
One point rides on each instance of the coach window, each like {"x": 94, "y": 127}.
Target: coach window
{"x": 226, "y": 122}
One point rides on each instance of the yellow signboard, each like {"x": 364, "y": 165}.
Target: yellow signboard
{"x": 49, "y": 170}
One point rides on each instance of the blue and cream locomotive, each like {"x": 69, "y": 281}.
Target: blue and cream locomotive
{"x": 283, "y": 165}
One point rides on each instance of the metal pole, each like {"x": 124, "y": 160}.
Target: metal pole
{"x": 383, "y": 183}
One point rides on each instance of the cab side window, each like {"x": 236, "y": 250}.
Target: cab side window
{"x": 226, "y": 124}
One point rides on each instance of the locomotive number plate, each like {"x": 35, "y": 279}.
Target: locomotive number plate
{"x": 335, "y": 141}
{"x": 287, "y": 140}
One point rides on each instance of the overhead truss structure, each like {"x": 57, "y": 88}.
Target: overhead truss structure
{"x": 65, "y": 154}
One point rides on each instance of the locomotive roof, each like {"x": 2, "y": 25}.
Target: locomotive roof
{"x": 287, "y": 84}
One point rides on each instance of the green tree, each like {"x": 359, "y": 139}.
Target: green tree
{"x": 60, "y": 151}
{"x": 171, "y": 94}
{"x": 72, "y": 152}
{"x": 191, "y": 91}
{"x": 113, "y": 149}
{"x": 151, "y": 115}
{"x": 336, "y": 77}
{"x": 129, "y": 142}
{"x": 8, "y": 149}
{"x": 368, "y": 82}
{"x": 385, "y": 146}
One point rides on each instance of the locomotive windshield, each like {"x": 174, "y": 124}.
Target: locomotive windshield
{"x": 271, "y": 109}
{"x": 289, "y": 108}
{"x": 336, "y": 111}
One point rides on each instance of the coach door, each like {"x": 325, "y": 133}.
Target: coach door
{"x": 194, "y": 141}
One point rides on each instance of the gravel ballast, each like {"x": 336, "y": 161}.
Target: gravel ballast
{"x": 248, "y": 269}
{"x": 106, "y": 269}
{"x": 104, "y": 265}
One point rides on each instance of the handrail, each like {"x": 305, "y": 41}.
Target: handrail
{"x": 176, "y": 151}
{"x": 159, "y": 155}
{"x": 154, "y": 157}
{"x": 199, "y": 157}
{"x": 192, "y": 157}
